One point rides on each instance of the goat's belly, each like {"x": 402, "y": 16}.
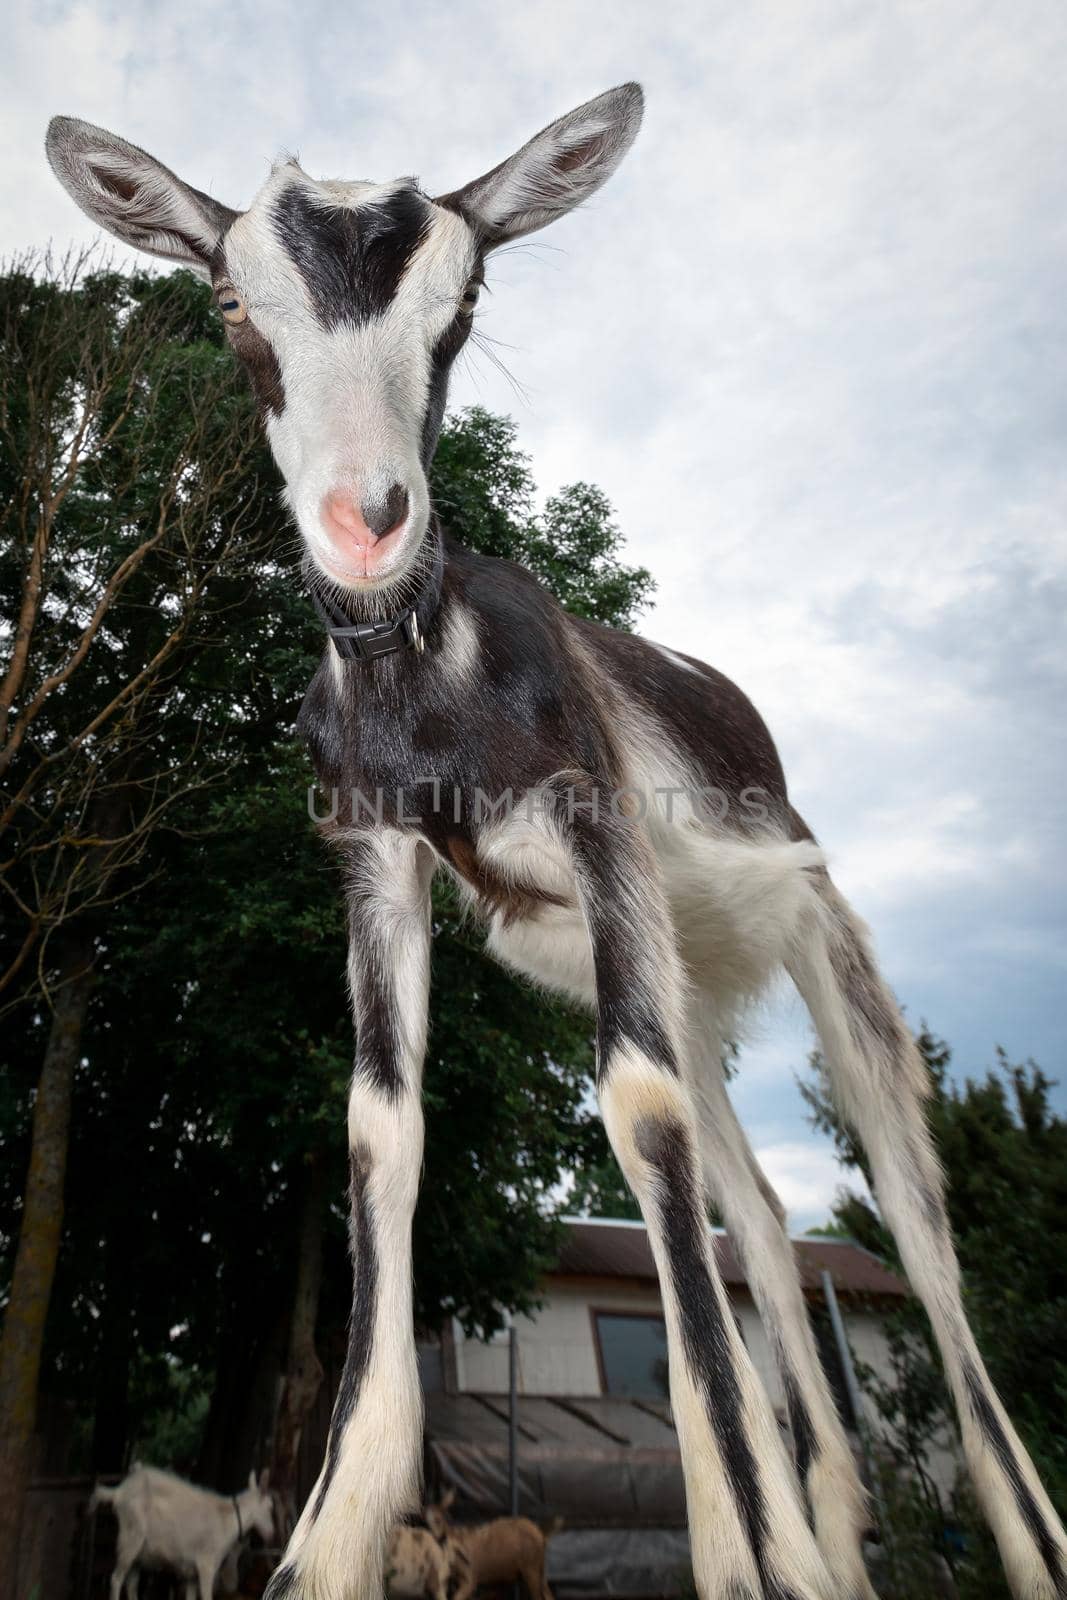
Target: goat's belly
{"x": 736, "y": 905}
{"x": 551, "y": 947}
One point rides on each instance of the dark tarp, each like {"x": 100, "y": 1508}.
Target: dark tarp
{"x": 609, "y": 1467}
{"x": 618, "y": 1561}
{"x": 607, "y": 1463}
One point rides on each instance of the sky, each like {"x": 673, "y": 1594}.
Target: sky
{"x": 811, "y": 340}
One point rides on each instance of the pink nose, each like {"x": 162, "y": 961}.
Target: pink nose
{"x": 357, "y": 528}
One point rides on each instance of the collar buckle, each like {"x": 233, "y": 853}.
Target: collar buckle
{"x": 366, "y": 641}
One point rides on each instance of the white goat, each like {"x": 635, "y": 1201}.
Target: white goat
{"x": 166, "y": 1522}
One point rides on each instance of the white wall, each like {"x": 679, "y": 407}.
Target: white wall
{"x": 868, "y": 1344}
{"x": 557, "y": 1353}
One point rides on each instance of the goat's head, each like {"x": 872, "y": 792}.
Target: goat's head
{"x": 258, "y": 1512}
{"x": 348, "y": 303}
{"x": 436, "y": 1517}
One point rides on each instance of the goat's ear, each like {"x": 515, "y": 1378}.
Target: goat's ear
{"x": 559, "y": 168}
{"x": 252, "y": 1478}
{"x": 134, "y": 196}
{"x": 448, "y": 1499}
{"x": 264, "y": 1479}
{"x": 435, "y": 1521}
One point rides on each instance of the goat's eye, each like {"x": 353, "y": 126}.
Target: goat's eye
{"x": 469, "y": 299}
{"x": 231, "y": 304}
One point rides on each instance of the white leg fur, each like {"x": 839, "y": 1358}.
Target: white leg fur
{"x": 754, "y": 1219}
{"x": 337, "y": 1551}
{"x": 636, "y": 1095}
{"x": 880, "y": 1083}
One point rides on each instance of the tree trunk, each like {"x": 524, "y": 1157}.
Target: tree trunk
{"x": 111, "y": 1417}
{"x": 303, "y": 1370}
{"x": 38, "y": 1246}
{"x": 248, "y": 1442}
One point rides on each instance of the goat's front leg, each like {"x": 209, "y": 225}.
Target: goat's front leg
{"x": 748, "y": 1533}
{"x": 373, "y": 1457}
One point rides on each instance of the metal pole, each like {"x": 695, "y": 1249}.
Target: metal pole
{"x": 513, "y": 1430}
{"x": 844, "y": 1354}
{"x": 855, "y": 1400}
{"x": 513, "y": 1419}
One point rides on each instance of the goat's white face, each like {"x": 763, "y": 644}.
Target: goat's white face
{"x": 348, "y": 303}
{"x": 262, "y": 1516}
{"x": 363, "y": 295}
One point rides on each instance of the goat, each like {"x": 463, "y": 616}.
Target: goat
{"x": 619, "y": 815}
{"x": 420, "y": 1562}
{"x": 166, "y": 1522}
{"x": 502, "y": 1551}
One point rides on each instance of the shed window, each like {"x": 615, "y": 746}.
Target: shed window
{"x": 633, "y": 1354}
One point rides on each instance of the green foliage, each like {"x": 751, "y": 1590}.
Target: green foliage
{"x": 600, "y": 1190}
{"x": 484, "y": 490}
{"x": 1004, "y": 1151}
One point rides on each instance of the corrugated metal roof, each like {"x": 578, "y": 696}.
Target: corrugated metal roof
{"x": 607, "y": 1249}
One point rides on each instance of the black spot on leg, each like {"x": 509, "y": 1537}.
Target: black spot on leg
{"x": 805, "y": 1444}
{"x": 361, "y": 1322}
{"x": 626, "y": 1017}
{"x": 378, "y": 1048}
{"x": 377, "y": 1040}
{"x": 990, "y": 1425}
{"x": 628, "y": 993}
{"x": 664, "y": 1144}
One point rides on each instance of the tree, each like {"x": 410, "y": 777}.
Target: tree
{"x": 1004, "y": 1150}
{"x": 600, "y": 1190}
{"x": 134, "y": 503}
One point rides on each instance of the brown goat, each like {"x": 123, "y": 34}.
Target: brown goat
{"x": 501, "y": 1551}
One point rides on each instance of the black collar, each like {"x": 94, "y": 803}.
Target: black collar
{"x": 365, "y": 641}
{"x": 384, "y": 636}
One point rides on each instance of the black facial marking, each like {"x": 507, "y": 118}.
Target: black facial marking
{"x": 1029, "y": 1510}
{"x": 361, "y": 1322}
{"x": 444, "y": 354}
{"x": 352, "y": 258}
{"x": 256, "y": 355}
{"x": 664, "y": 1144}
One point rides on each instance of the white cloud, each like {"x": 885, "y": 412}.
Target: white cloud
{"x": 807, "y": 1178}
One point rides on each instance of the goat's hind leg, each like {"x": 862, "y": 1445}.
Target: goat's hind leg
{"x": 748, "y": 1533}
{"x": 756, "y": 1225}
{"x": 880, "y": 1083}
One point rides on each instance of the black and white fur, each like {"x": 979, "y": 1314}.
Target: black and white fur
{"x": 605, "y": 878}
